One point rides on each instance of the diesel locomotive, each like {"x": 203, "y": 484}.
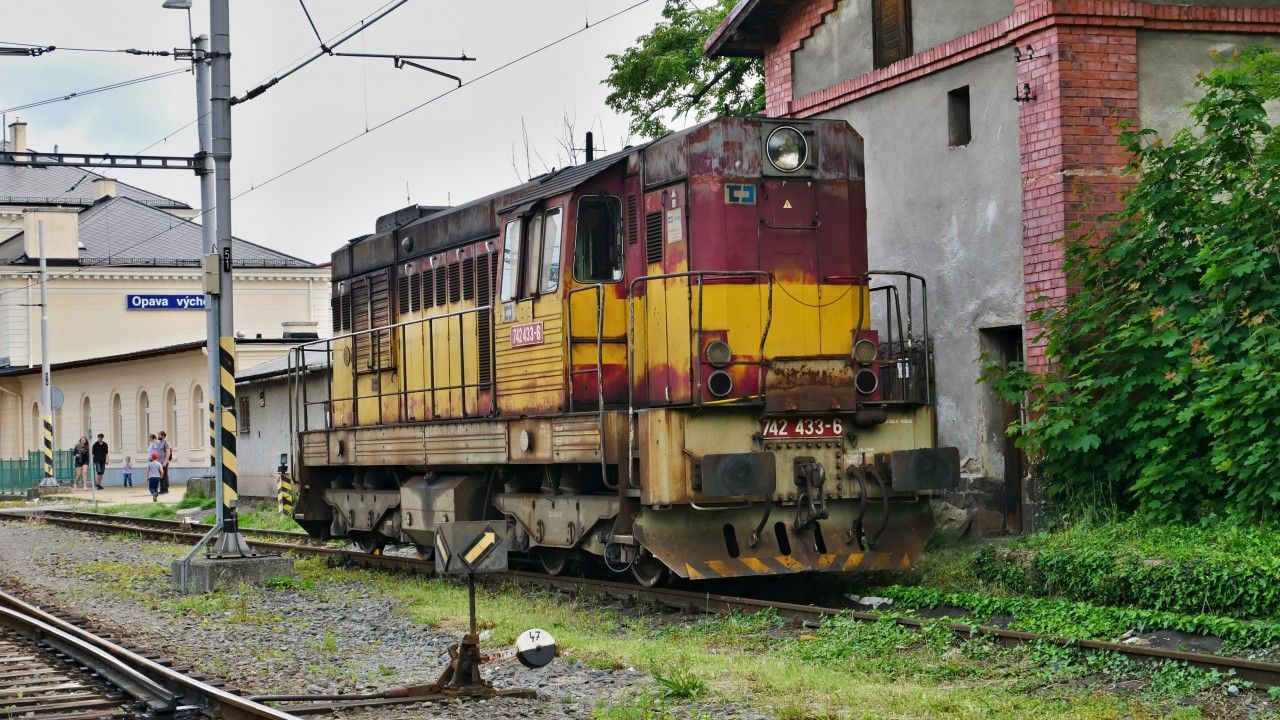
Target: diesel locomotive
{"x": 663, "y": 361}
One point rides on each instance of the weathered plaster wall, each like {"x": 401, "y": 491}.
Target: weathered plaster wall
{"x": 1168, "y": 63}
{"x": 258, "y": 450}
{"x": 840, "y": 48}
{"x": 934, "y": 22}
{"x": 953, "y": 215}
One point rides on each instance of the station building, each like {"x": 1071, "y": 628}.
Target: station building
{"x": 990, "y": 127}
{"x": 126, "y": 321}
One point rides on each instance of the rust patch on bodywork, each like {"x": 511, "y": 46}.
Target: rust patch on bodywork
{"x": 810, "y": 385}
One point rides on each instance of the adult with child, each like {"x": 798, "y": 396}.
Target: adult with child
{"x": 99, "y": 452}
{"x": 80, "y": 454}
{"x": 165, "y": 451}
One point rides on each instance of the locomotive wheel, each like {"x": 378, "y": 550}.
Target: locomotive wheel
{"x": 369, "y": 543}
{"x": 554, "y": 562}
{"x": 649, "y": 570}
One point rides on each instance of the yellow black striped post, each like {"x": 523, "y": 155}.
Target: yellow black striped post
{"x": 284, "y": 492}
{"x": 227, "y": 393}
{"x": 213, "y": 437}
{"x": 48, "y": 446}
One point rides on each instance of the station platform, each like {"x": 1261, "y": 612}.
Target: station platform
{"x": 117, "y": 494}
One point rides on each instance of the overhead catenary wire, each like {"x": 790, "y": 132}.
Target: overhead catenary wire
{"x": 45, "y": 48}
{"x": 92, "y": 91}
{"x": 429, "y": 101}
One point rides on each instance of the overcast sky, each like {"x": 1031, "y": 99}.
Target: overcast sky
{"x": 454, "y": 149}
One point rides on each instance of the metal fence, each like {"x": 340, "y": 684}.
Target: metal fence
{"x": 18, "y": 474}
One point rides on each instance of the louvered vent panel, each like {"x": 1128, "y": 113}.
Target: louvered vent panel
{"x": 335, "y": 312}
{"x": 440, "y": 286}
{"x": 415, "y": 294}
{"x": 468, "y": 279}
{"x": 428, "y": 297}
{"x": 402, "y": 295}
{"x": 360, "y": 322}
{"x": 380, "y": 316}
{"x": 633, "y": 232}
{"x": 455, "y": 291}
{"x": 484, "y": 324}
{"x": 345, "y": 312}
{"x": 653, "y": 237}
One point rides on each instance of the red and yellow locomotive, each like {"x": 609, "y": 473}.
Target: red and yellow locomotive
{"x": 663, "y": 359}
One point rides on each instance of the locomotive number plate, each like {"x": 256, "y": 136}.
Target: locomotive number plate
{"x": 800, "y": 428}
{"x": 527, "y": 334}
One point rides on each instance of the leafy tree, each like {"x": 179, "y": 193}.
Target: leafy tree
{"x": 667, "y": 72}
{"x": 1164, "y": 390}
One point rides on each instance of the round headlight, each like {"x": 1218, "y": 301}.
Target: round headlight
{"x": 864, "y": 351}
{"x": 720, "y": 383}
{"x": 718, "y": 353}
{"x": 787, "y": 148}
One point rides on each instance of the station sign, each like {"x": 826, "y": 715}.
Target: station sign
{"x": 194, "y": 301}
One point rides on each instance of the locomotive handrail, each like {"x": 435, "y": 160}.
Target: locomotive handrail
{"x": 397, "y": 332}
{"x": 755, "y": 275}
{"x": 599, "y": 369}
{"x": 907, "y": 339}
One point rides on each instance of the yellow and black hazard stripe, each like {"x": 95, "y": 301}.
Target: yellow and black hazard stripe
{"x": 784, "y": 564}
{"x": 227, "y": 395}
{"x": 284, "y": 493}
{"x": 213, "y": 435}
{"x": 48, "y": 446}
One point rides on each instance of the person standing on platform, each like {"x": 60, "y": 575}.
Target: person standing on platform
{"x": 80, "y": 453}
{"x": 99, "y": 461}
{"x": 126, "y": 472}
{"x": 165, "y": 450}
{"x": 153, "y": 476}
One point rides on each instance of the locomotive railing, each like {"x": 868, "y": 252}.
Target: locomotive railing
{"x": 906, "y": 358}
{"x": 320, "y": 352}
{"x": 701, "y": 276}
{"x": 598, "y": 370}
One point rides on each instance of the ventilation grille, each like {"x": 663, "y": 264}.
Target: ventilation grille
{"x": 345, "y": 312}
{"x": 468, "y": 279}
{"x": 415, "y": 295}
{"x": 380, "y": 316}
{"x": 335, "y": 312}
{"x": 440, "y": 286}
{"x": 484, "y": 323}
{"x": 653, "y": 237}
{"x": 402, "y": 295}
{"x": 428, "y": 299}
{"x": 633, "y": 232}
{"x": 455, "y": 291}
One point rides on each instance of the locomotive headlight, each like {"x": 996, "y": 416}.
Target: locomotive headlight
{"x": 787, "y": 149}
{"x": 864, "y": 351}
{"x": 718, "y": 353}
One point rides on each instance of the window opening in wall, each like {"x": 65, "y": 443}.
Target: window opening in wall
{"x": 86, "y": 416}
{"x": 959, "y": 129}
{"x": 171, "y": 416}
{"x": 891, "y": 31}
{"x": 199, "y": 416}
{"x": 597, "y": 251}
{"x": 144, "y": 419}
{"x": 117, "y": 420}
{"x": 243, "y": 421}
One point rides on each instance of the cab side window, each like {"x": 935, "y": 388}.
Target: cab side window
{"x": 551, "y": 251}
{"x": 511, "y": 260}
{"x": 597, "y": 251}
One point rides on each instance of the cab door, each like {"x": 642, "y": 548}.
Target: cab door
{"x": 529, "y": 331}
{"x": 597, "y": 303}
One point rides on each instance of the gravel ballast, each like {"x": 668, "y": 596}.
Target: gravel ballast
{"x": 335, "y": 637}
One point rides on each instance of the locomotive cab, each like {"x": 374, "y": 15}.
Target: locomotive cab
{"x": 664, "y": 360}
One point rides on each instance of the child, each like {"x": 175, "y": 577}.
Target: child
{"x": 154, "y": 470}
{"x": 126, "y": 472}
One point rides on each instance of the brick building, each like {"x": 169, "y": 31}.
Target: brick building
{"x": 990, "y": 128}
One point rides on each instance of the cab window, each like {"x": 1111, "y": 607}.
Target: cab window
{"x": 532, "y": 254}
{"x": 510, "y": 260}
{"x": 597, "y": 252}
{"x": 551, "y": 251}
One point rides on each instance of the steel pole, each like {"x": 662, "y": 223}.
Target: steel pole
{"x": 46, "y": 383}
{"x": 208, "y": 233}
{"x": 230, "y": 543}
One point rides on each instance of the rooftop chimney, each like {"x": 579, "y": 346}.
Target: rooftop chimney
{"x": 105, "y": 187}
{"x": 61, "y": 234}
{"x": 17, "y": 136}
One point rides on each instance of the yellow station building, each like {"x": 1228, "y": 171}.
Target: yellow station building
{"x": 126, "y": 320}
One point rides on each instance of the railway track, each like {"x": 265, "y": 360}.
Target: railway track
{"x": 1264, "y": 674}
{"x": 51, "y": 669}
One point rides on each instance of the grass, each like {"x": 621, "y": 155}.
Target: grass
{"x": 845, "y": 668}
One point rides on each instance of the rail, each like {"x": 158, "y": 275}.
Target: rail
{"x": 1265, "y": 674}
{"x": 302, "y": 359}
{"x": 702, "y": 275}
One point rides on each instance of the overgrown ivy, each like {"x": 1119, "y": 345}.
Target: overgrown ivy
{"x": 1163, "y": 394}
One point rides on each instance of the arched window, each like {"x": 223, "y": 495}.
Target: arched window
{"x": 86, "y": 417}
{"x": 37, "y": 435}
{"x": 199, "y": 417}
{"x": 144, "y": 419}
{"x": 117, "y": 421}
{"x": 171, "y": 416}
